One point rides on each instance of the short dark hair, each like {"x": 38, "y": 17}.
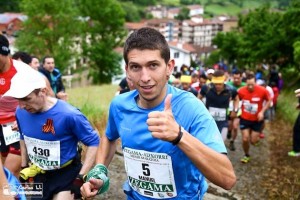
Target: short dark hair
{"x": 250, "y": 76}
{"x": 218, "y": 73}
{"x": 147, "y": 38}
{"x": 25, "y": 57}
{"x": 4, "y": 45}
{"x": 238, "y": 72}
{"x": 45, "y": 57}
{"x": 203, "y": 76}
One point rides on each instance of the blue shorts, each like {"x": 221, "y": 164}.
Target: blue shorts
{"x": 56, "y": 181}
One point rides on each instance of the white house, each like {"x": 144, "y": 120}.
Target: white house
{"x": 182, "y": 53}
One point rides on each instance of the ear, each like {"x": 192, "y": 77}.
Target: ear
{"x": 170, "y": 67}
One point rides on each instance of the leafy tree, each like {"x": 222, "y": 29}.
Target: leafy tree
{"x": 104, "y": 32}
{"x": 9, "y": 6}
{"x": 50, "y": 29}
{"x": 134, "y": 14}
{"x": 291, "y": 29}
{"x": 183, "y": 14}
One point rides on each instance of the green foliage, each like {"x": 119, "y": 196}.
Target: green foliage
{"x": 183, "y": 14}
{"x": 48, "y": 29}
{"x": 134, "y": 14}
{"x": 9, "y": 6}
{"x": 263, "y": 36}
{"x": 104, "y": 32}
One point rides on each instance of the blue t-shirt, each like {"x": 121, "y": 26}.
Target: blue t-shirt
{"x": 62, "y": 125}
{"x": 128, "y": 121}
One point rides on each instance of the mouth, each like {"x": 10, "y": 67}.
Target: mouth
{"x": 147, "y": 88}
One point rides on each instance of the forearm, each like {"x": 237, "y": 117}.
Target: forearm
{"x": 215, "y": 166}
{"x": 24, "y": 155}
{"x": 266, "y": 106}
{"x": 106, "y": 151}
{"x": 89, "y": 159}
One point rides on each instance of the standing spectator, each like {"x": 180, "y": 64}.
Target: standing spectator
{"x": 280, "y": 82}
{"x": 50, "y": 130}
{"x": 54, "y": 77}
{"x": 169, "y": 140}
{"x": 34, "y": 63}
{"x": 296, "y": 132}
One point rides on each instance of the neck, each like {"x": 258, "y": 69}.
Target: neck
{"x": 50, "y": 102}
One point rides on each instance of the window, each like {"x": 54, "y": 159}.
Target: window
{"x": 176, "y": 55}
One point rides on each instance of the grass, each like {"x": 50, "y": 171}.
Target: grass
{"x": 286, "y": 106}
{"x": 93, "y": 101}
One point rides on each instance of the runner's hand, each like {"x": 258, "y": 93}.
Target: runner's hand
{"x": 260, "y": 116}
{"x": 90, "y": 188}
{"x": 162, "y": 123}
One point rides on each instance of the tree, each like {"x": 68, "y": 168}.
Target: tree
{"x": 9, "y": 6}
{"x": 183, "y": 14}
{"x": 104, "y": 32}
{"x": 133, "y": 15}
{"x": 50, "y": 29}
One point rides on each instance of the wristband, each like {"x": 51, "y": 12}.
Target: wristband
{"x": 180, "y": 133}
{"x": 99, "y": 172}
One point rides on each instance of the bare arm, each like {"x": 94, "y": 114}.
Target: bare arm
{"x": 24, "y": 155}
{"x": 215, "y": 166}
{"x": 89, "y": 159}
{"x": 106, "y": 151}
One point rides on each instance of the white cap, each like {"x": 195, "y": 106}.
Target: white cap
{"x": 260, "y": 82}
{"x": 210, "y": 71}
{"x": 24, "y": 82}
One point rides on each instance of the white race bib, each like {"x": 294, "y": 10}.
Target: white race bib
{"x": 10, "y": 136}
{"x": 150, "y": 174}
{"x": 219, "y": 114}
{"x": 44, "y": 154}
{"x": 250, "y": 107}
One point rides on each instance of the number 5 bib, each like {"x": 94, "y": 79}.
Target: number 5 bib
{"x": 44, "y": 154}
{"x": 150, "y": 174}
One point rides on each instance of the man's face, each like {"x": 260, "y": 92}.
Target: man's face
{"x": 250, "y": 84}
{"x": 49, "y": 64}
{"x": 35, "y": 63}
{"x": 185, "y": 86}
{"x": 202, "y": 82}
{"x": 149, "y": 74}
{"x": 219, "y": 87}
{"x": 33, "y": 102}
{"x": 237, "y": 79}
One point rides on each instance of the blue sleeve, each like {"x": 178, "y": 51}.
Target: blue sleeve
{"x": 111, "y": 129}
{"x": 83, "y": 130}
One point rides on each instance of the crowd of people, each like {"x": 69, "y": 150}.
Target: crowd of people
{"x": 173, "y": 127}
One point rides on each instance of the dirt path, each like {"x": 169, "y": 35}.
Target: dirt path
{"x": 269, "y": 175}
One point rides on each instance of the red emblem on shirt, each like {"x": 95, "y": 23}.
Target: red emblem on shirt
{"x": 48, "y": 127}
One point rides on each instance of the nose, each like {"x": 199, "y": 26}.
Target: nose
{"x": 145, "y": 75}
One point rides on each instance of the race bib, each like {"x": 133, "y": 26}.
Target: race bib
{"x": 251, "y": 108}
{"x": 44, "y": 154}
{"x": 10, "y": 136}
{"x": 219, "y": 114}
{"x": 150, "y": 174}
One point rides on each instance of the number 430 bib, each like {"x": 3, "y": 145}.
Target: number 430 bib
{"x": 44, "y": 154}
